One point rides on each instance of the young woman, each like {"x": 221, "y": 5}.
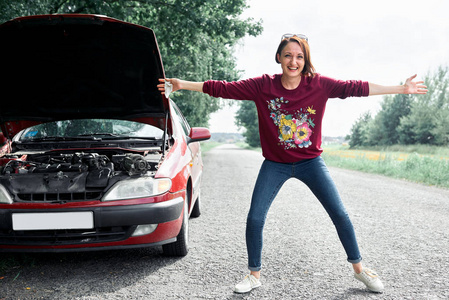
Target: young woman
{"x": 290, "y": 108}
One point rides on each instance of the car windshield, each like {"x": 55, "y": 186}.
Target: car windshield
{"x": 81, "y": 128}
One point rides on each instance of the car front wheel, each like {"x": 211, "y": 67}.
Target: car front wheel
{"x": 181, "y": 246}
{"x": 196, "y": 211}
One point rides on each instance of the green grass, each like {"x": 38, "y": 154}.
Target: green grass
{"x": 420, "y": 149}
{"x": 207, "y": 146}
{"x": 248, "y": 147}
{"x": 422, "y": 164}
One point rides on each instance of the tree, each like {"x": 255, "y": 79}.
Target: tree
{"x": 196, "y": 37}
{"x": 360, "y": 131}
{"x": 247, "y": 117}
{"x": 428, "y": 121}
{"x": 383, "y": 130}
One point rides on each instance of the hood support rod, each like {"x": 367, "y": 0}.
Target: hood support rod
{"x": 165, "y": 132}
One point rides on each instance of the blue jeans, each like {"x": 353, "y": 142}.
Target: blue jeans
{"x": 314, "y": 173}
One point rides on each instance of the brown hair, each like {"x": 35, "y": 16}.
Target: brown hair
{"x": 308, "y": 70}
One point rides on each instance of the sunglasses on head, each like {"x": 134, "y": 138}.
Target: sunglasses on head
{"x": 301, "y": 36}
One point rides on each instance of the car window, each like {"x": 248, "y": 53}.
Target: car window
{"x": 81, "y": 127}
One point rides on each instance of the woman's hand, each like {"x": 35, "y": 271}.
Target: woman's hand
{"x": 178, "y": 84}
{"x": 414, "y": 87}
{"x": 175, "y": 85}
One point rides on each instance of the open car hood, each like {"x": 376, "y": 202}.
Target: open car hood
{"x": 58, "y": 67}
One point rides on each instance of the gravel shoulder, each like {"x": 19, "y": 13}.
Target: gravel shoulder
{"x": 402, "y": 230}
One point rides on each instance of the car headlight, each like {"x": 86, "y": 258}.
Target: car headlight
{"x": 5, "y": 197}
{"x": 137, "y": 188}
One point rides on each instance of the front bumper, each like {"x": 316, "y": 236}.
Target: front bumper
{"x": 113, "y": 228}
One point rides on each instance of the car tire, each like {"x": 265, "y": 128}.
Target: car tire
{"x": 196, "y": 211}
{"x": 181, "y": 246}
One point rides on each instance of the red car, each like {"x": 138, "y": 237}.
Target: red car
{"x": 98, "y": 158}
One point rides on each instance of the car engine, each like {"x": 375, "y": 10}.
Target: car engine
{"x": 71, "y": 176}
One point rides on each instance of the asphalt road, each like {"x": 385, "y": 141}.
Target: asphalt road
{"x": 402, "y": 230}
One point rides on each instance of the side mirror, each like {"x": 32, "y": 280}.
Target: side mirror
{"x": 198, "y": 134}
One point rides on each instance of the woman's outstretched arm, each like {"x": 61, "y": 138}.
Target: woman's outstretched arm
{"x": 409, "y": 87}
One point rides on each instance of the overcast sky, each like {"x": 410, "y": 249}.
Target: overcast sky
{"x": 382, "y": 41}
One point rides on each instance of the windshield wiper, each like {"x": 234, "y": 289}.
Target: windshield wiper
{"x": 61, "y": 138}
{"x": 152, "y": 138}
{"x": 110, "y": 136}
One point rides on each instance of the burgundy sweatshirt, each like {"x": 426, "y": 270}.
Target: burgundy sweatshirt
{"x": 289, "y": 120}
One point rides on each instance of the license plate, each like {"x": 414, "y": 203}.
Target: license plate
{"x": 53, "y": 221}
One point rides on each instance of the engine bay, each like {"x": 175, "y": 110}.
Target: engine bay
{"x": 68, "y": 176}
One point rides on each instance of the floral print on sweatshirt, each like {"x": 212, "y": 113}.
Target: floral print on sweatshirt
{"x": 295, "y": 128}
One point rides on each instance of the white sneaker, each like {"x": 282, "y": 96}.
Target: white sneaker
{"x": 247, "y": 284}
{"x": 370, "y": 279}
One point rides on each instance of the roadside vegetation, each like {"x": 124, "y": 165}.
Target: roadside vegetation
{"x": 246, "y": 146}
{"x": 207, "y": 146}
{"x": 418, "y": 163}
{"x": 408, "y": 138}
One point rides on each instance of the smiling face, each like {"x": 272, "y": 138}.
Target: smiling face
{"x": 292, "y": 60}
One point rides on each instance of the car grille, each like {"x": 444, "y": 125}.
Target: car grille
{"x": 51, "y": 197}
{"x": 65, "y": 237}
